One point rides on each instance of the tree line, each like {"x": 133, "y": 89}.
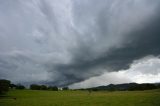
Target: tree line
{"x": 5, "y": 85}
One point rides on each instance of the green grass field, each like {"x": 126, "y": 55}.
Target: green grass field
{"x": 81, "y": 98}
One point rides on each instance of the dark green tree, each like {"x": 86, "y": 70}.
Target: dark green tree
{"x": 35, "y": 87}
{"x": 53, "y": 88}
{"x": 65, "y": 88}
{"x": 4, "y": 86}
{"x": 43, "y": 87}
{"x": 13, "y": 86}
{"x": 19, "y": 86}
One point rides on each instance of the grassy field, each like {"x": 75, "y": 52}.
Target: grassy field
{"x": 81, "y": 98}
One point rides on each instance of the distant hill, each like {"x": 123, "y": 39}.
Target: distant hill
{"x": 126, "y": 87}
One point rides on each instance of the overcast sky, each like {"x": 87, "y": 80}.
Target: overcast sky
{"x": 80, "y": 43}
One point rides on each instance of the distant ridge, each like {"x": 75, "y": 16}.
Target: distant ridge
{"x": 126, "y": 87}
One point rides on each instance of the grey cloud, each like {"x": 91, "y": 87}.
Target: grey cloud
{"x": 61, "y": 43}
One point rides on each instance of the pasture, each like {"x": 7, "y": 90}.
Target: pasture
{"x": 80, "y": 98}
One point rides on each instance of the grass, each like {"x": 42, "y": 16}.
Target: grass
{"x": 81, "y": 98}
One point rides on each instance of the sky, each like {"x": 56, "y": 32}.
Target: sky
{"x": 80, "y": 43}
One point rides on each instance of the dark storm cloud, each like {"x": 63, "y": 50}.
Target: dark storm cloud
{"x": 144, "y": 42}
{"x": 68, "y": 41}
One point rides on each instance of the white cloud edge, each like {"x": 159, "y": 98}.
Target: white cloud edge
{"x": 144, "y": 70}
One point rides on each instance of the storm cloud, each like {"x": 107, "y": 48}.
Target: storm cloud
{"x": 61, "y": 42}
{"x": 144, "y": 70}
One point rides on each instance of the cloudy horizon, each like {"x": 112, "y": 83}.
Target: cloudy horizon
{"x": 80, "y": 43}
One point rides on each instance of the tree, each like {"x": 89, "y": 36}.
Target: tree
{"x": 13, "y": 86}
{"x": 4, "y": 86}
{"x": 143, "y": 87}
{"x": 38, "y": 87}
{"x": 53, "y": 88}
{"x": 19, "y": 86}
{"x": 35, "y": 87}
{"x": 65, "y": 88}
{"x": 43, "y": 87}
{"x": 158, "y": 85}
